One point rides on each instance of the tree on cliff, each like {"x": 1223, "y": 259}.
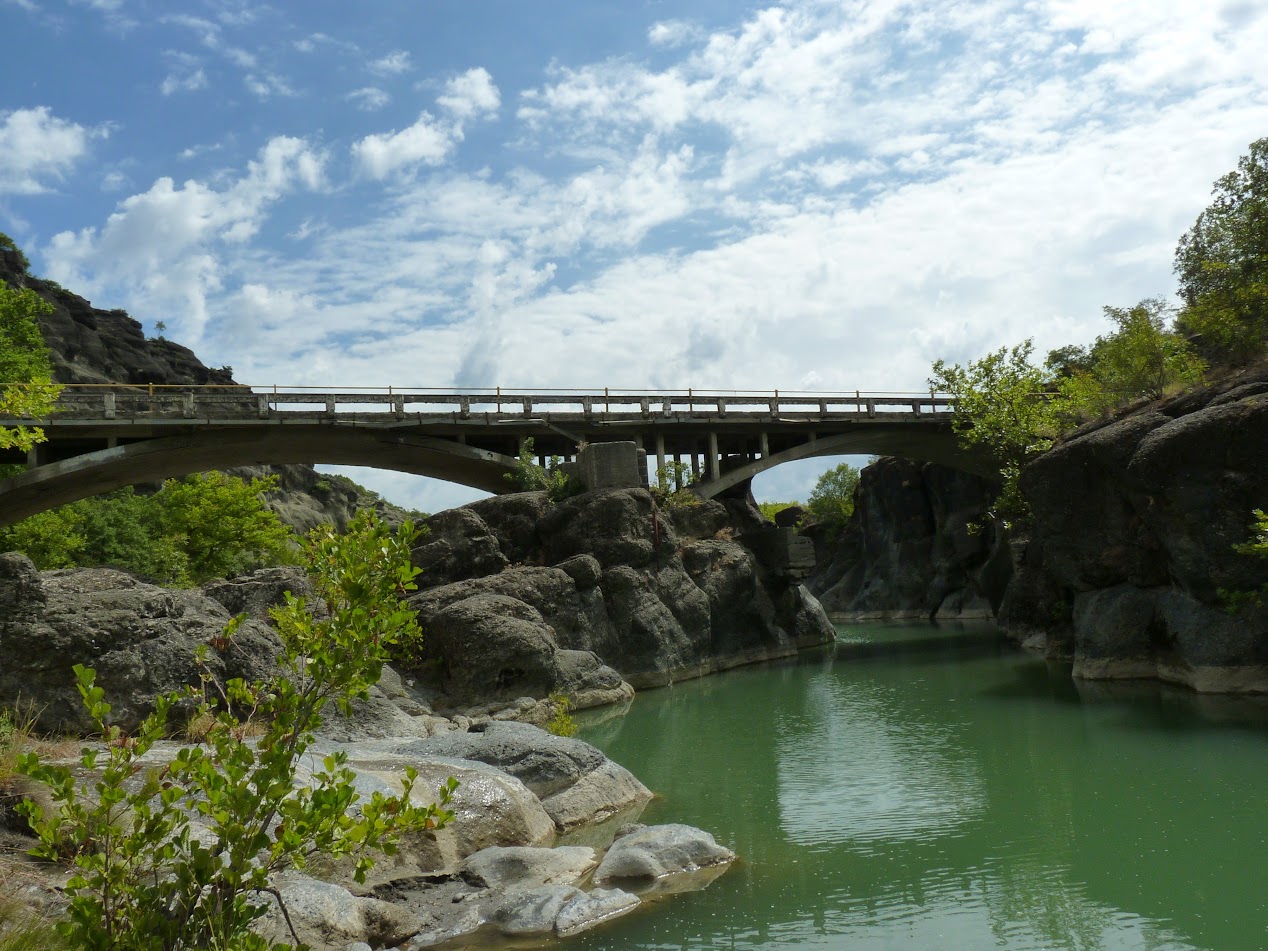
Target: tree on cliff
{"x": 1003, "y": 406}
{"x": 26, "y": 376}
{"x": 1140, "y": 358}
{"x": 832, "y": 500}
{"x": 1222, "y": 263}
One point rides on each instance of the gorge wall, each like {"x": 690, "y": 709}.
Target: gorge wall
{"x": 1124, "y": 563}
{"x": 920, "y": 545}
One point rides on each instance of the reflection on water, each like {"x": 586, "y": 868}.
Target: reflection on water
{"x": 910, "y": 793}
{"x": 899, "y": 779}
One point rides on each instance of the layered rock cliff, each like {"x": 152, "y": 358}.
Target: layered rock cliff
{"x": 1125, "y": 562}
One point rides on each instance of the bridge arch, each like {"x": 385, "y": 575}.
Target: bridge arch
{"x": 940, "y": 446}
{"x": 58, "y": 483}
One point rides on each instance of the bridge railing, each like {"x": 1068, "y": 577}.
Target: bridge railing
{"x": 104, "y": 401}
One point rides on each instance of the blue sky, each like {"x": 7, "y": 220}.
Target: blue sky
{"x": 809, "y": 195}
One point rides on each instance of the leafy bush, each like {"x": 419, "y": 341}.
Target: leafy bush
{"x": 528, "y": 476}
{"x": 1256, "y": 547}
{"x": 671, "y": 490}
{"x": 26, "y": 387}
{"x": 196, "y": 528}
{"x": 561, "y": 722}
{"x": 144, "y": 878}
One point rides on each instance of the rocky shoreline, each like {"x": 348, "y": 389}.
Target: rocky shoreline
{"x": 520, "y": 599}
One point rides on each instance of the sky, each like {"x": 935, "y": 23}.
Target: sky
{"x": 808, "y": 195}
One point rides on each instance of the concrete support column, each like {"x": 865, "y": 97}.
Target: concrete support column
{"x": 330, "y": 405}
{"x": 715, "y": 463}
{"x": 398, "y": 407}
{"x": 187, "y": 405}
{"x": 110, "y": 405}
{"x": 765, "y": 446}
{"x": 660, "y": 452}
{"x": 695, "y": 463}
{"x": 263, "y": 408}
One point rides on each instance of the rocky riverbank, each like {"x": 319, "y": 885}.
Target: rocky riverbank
{"x": 542, "y": 841}
{"x": 1129, "y": 551}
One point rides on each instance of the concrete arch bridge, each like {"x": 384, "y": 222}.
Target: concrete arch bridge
{"x": 103, "y": 437}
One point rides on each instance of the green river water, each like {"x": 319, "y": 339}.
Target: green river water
{"x": 918, "y": 788}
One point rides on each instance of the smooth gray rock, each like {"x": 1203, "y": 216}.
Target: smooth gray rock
{"x": 562, "y": 909}
{"x": 652, "y": 852}
{"x": 593, "y": 908}
{"x": 505, "y": 867}
{"x": 328, "y": 917}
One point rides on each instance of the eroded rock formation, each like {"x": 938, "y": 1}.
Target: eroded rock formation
{"x": 919, "y": 545}
{"x": 524, "y": 597}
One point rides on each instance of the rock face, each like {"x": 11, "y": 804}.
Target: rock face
{"x": 523, "y": 597}
{"x": 1132, "y": 541}
{"x": 141, "y": 639}
{"x": 918, "y": 546}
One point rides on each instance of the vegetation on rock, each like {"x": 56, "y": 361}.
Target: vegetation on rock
{"x": 528, "y": 476}
{"x": 184, "y": 855}
{"x": 200, "y": 527}
{"x": 831, "y": 501}
{"x": 1222, "y": 264}
{"x": 671, "y": 489}
{"x": 1014, "y": 409}
{"x": 26, "y": 387}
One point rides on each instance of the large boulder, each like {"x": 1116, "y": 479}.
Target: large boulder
{"x": 649, "y": 853}
{"x": 1133, "y": 533}
{"x": 576, "y": 783}
{"x": 142, "y": 640}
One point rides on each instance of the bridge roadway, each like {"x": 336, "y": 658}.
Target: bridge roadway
{"x": 103, "y": 437}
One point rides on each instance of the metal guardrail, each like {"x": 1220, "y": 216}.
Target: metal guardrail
{"x": 102, "y": 401}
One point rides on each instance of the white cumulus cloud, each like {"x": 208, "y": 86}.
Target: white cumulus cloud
{"x": 427, "y": 141}
{"x": 160, "y": 249}
{"x": 471, "y": 94}
{"x": 393, "y": 64}
{"x": 368, "y": 98}
{"x": 37, "y": 147}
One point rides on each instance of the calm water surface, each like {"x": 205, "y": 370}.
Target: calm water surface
{"x": 925, "y": 789}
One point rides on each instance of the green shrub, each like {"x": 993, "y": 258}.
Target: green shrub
{"x": 197, "y": 528}
{"x": 671, "y": 490}
{"x": 528, "y": 476}
{"x": 143, "y": 879}
{"x": 561, "y": 722}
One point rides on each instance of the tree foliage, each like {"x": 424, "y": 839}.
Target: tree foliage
{"x": 26, "y": 377}
{"x": 1222, "y": 264}
{"x": 831, "y": 501}
{"x": 146, "y": 876}
{"x": 194, "y": 529}
{"x": 1141, "y": 358}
